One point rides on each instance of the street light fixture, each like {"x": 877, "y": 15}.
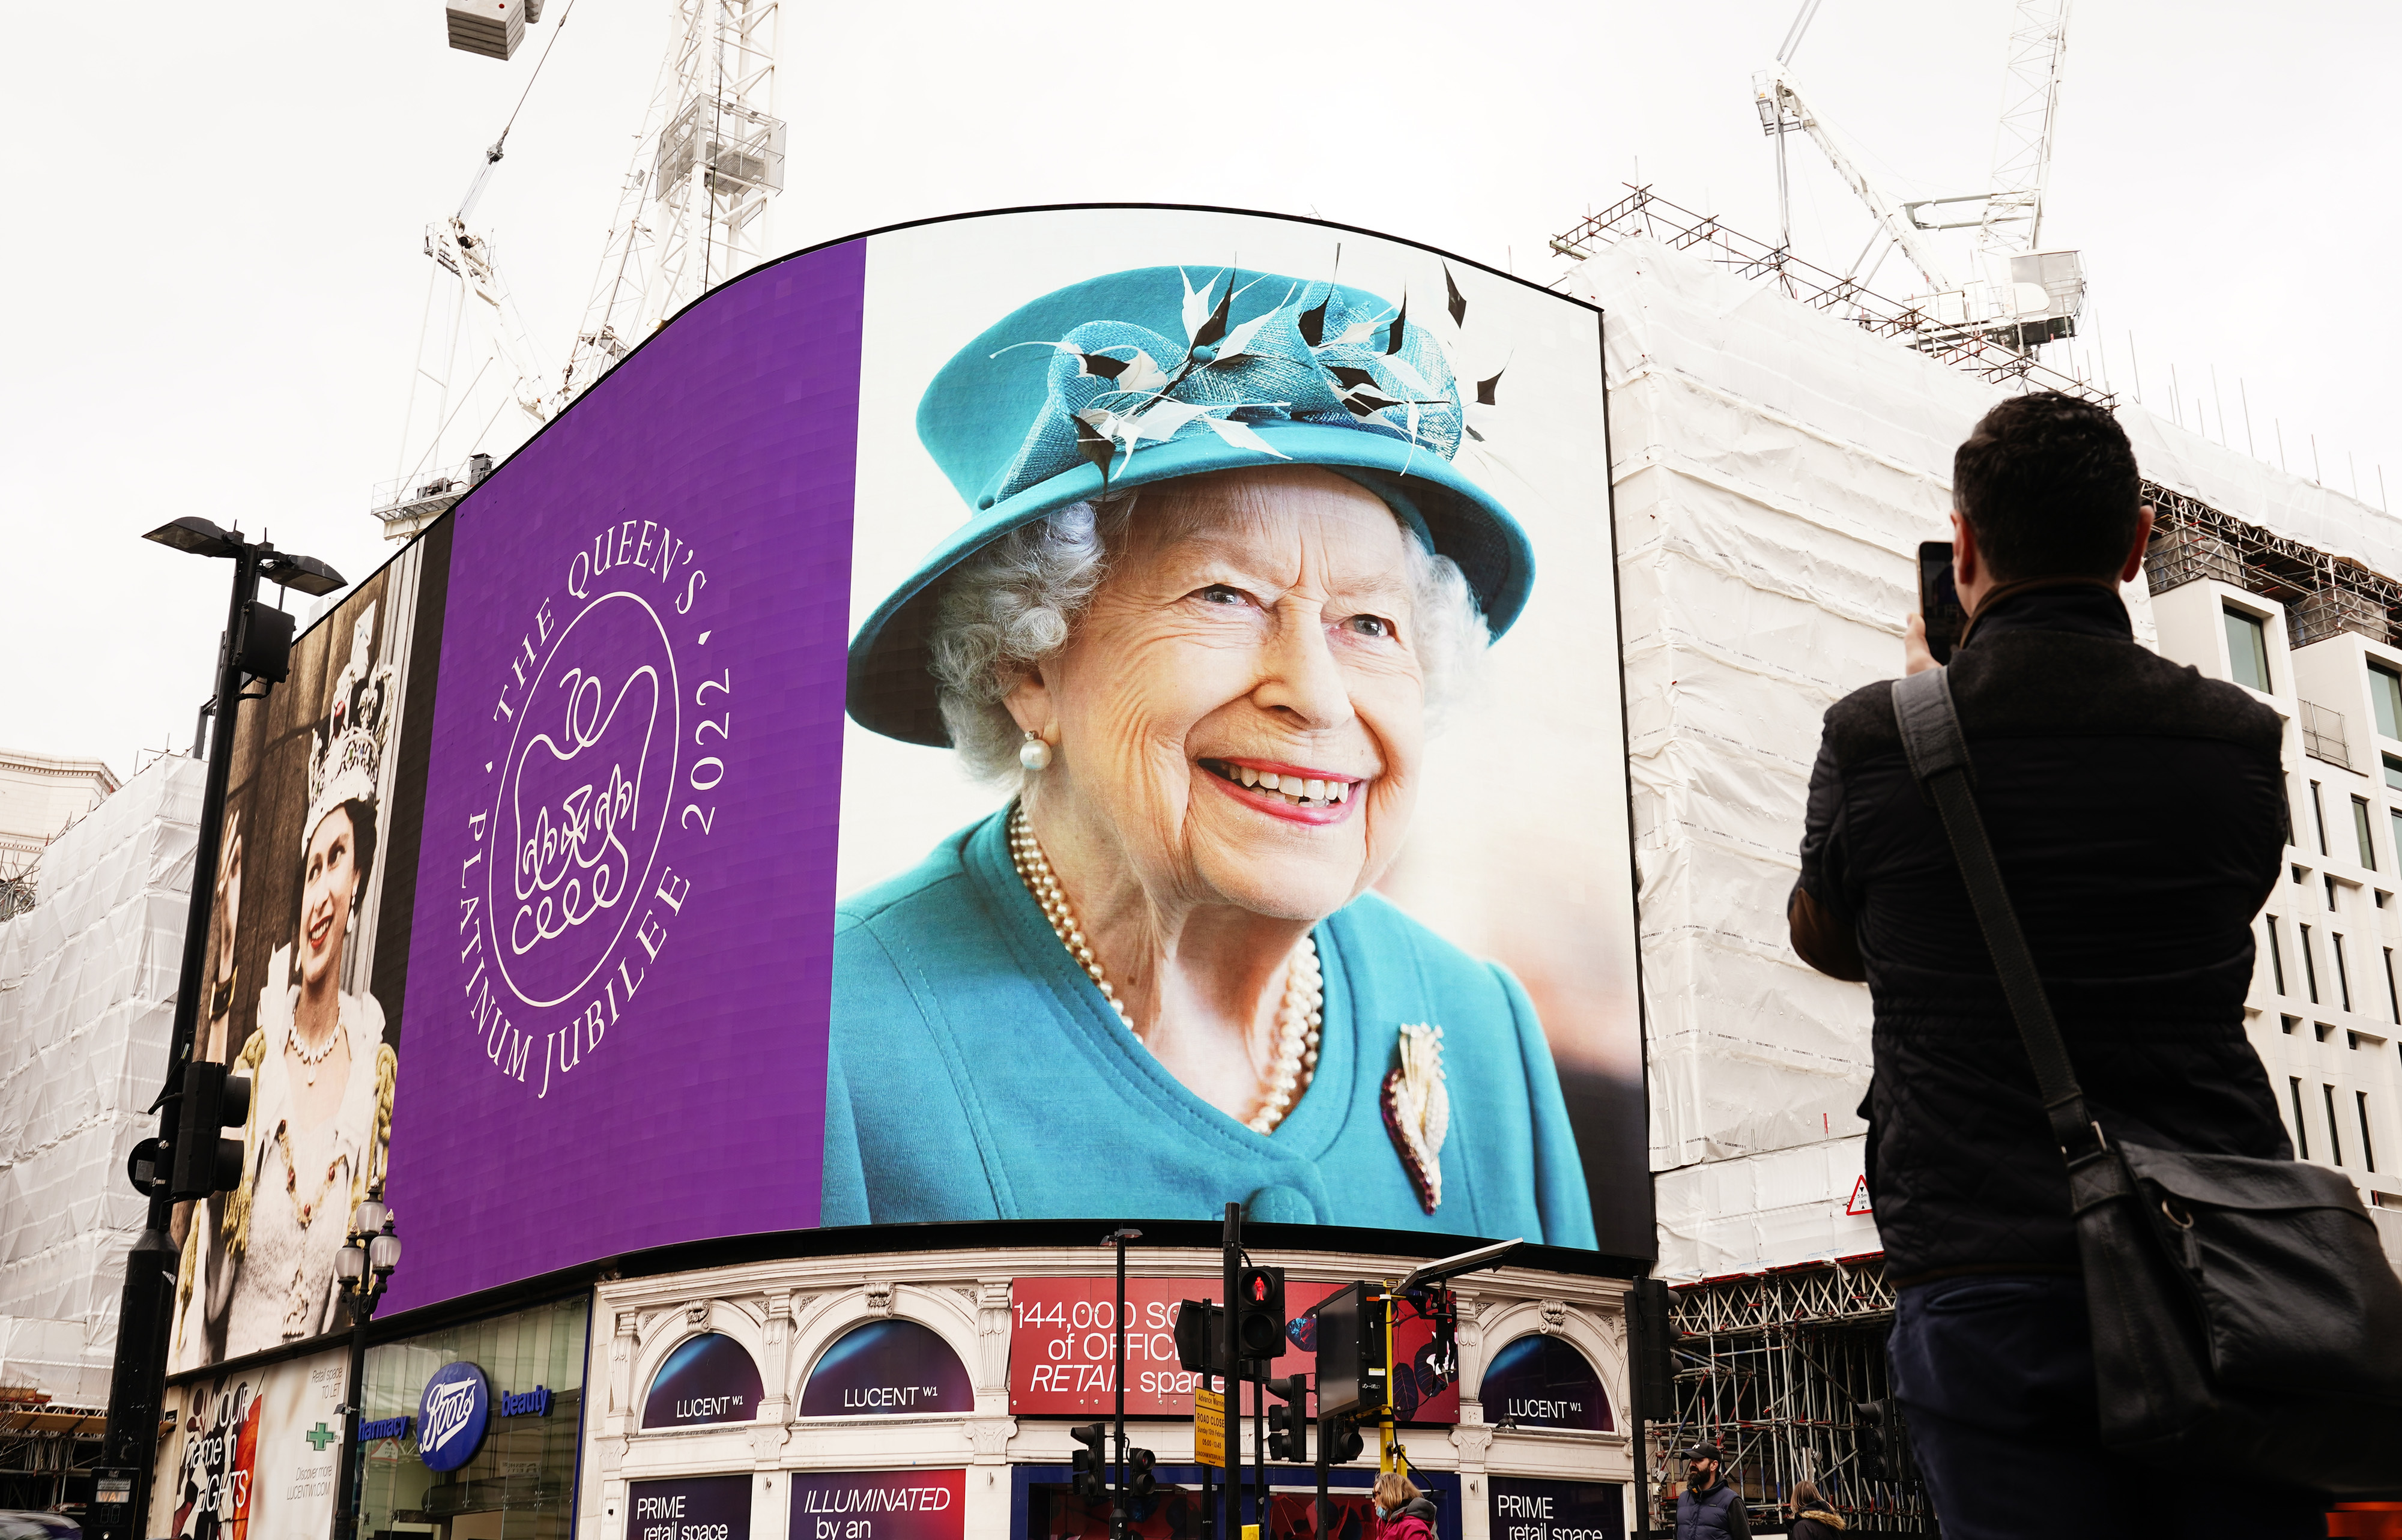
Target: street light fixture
{"x": 257, "y": 645}
{"x": 363, "y": 1266}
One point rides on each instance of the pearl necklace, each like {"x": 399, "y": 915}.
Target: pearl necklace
{"x": 309, "y": 1059}
{"x": 1299, "y": 1019}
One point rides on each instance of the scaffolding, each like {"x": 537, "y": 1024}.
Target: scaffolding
{"x": 2324, "y": 596}
{"x": 1785, "y": 1371}
{"x": 48, "y": 1451}
{"x": 1932, "y": 325}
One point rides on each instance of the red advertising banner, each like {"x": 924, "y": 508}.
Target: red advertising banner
{"x": 1063, "y": 1347}
{"x": 880, "y": 1504}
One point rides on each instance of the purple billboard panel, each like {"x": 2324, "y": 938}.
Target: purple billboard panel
{"x": 880, "y": 1504}
{"x": 698, "y": 1507}
{"x": 625, "y": 906}
{"x": 887, "y": 1367}
{"x": 709, "y": 1379}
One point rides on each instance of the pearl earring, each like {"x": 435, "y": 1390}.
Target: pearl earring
{"x": 1034, "y": 754}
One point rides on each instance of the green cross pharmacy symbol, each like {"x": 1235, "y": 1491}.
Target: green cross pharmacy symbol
{"x": 319, "y": 1436}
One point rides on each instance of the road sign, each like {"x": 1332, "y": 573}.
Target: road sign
{"x": 1210, "y": 1427}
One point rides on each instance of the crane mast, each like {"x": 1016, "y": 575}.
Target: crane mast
{"x": 2017, "y": 294}
{"x": 2013, "y": 219}
{"x": 691, "y": 209}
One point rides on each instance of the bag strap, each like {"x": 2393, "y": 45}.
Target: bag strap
{"x": 1938, "y": 759}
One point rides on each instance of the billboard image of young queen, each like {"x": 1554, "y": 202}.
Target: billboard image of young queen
{"x": 1221, "y": 577}
{"x": 303, "y": 990}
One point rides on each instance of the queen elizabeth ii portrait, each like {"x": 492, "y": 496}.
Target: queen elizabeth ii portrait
{"x": 258, "y": 1266}
{"x": 1220, "y": 576}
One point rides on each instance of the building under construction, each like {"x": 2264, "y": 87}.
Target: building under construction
{"x": 1781, "y": 440}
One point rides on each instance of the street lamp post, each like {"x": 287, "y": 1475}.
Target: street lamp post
{"x": 363, "y": 1266}
{"x": 256, "y": 645}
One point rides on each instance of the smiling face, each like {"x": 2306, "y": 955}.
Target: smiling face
{"x": 1239, "y": 714}
{"x": 328, "y": 889}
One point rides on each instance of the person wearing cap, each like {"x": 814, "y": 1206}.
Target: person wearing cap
{"x": 1708, "y": 1508}
{"x": 1219, "y": 573}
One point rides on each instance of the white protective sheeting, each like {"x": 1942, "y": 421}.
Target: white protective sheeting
{"x": 1774, "y": 469}
{"x": 86, "y": 999}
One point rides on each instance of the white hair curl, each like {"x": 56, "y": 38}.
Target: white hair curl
{"x": 1013, "y": 603}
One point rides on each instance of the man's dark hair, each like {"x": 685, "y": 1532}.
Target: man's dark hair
{"x": 2048, "y": 484}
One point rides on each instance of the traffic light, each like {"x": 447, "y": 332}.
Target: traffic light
{"x": 1653, "y": 1364}
{"x": 1875, "y": 1424}
{"x": 1089, "y": 1461}
{"x": 1259, "y": 1325}
{"x": 203, "y": 1163}
{"x": 1339, "y": 1442}
{"x": 1289, "y": 1423}
{"x": 1351, "y": 1375}
{"x": 1141, "y": 1483}
{"x": 1200, "y": 1327}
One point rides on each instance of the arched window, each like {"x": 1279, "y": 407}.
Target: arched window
{"x": 885, "y": 1368}
{"x": 1544, "y": 1382}
{"x": 709, "y": 1379}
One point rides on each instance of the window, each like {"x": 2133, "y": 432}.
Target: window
{"x": 2302, "y": 1129}
{"x": 2386, "y": 693}
{"x": 2342, "y": 974}
{"x": 2393, "y": 771}
{"x": 2318, "y": 811}
{"x": 2360, "y": 830}
{"x": 2334, "y": 1135}
{"x": 2367, "y": 1149}
{"x": 2289, "y": 1023}
{"x": 2285, "y": 803}
{"x": 2247, "y": 652}
{"x": 2393, "y": 995}
{"x": 2309, "y": 965}
{"x": 2277, "y": 958}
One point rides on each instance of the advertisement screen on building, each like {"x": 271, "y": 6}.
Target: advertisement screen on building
{"x": 252, "y": 1453}
{"x": 308, "y": 959}
{"x": 1092, "y": 713}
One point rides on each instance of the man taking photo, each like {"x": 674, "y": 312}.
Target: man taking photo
{"x": 2135, "y": 810}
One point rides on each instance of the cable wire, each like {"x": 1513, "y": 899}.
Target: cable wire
{"x": 556, "y": 28}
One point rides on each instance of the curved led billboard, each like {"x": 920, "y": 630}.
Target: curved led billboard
{"x": 1081, "y": 713}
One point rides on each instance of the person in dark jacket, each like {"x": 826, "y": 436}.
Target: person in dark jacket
{"x": 2136, "y": 809}
{"x": 1708, "y": 1508}
{"x": 1402, "y": 1511}
{"x": 1814, "y": 1517}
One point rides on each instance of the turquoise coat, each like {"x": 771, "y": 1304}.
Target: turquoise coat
{"x": 977, "y": 1073}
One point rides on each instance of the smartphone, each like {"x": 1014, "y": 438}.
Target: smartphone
{"x": 1938, "y": 600}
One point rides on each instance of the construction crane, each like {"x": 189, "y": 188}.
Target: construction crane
{"x": 691, "y": 212}
{"x": 2022, "y": 295}
{"x": 475, "y": 364}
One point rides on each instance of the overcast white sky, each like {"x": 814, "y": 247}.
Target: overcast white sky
{"x": 216, "y": 279}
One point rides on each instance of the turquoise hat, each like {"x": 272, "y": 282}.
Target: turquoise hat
{"x": 1142, "y": 377}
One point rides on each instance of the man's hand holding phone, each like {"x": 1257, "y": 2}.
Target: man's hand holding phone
{"x": 1915, "y": 658}
{"x": 1936, "y": 628}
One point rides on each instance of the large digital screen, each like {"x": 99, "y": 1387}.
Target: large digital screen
{"x": 1088, "y": 714}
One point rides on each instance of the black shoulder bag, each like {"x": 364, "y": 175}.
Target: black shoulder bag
{"x": 2245, "y": 1322}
